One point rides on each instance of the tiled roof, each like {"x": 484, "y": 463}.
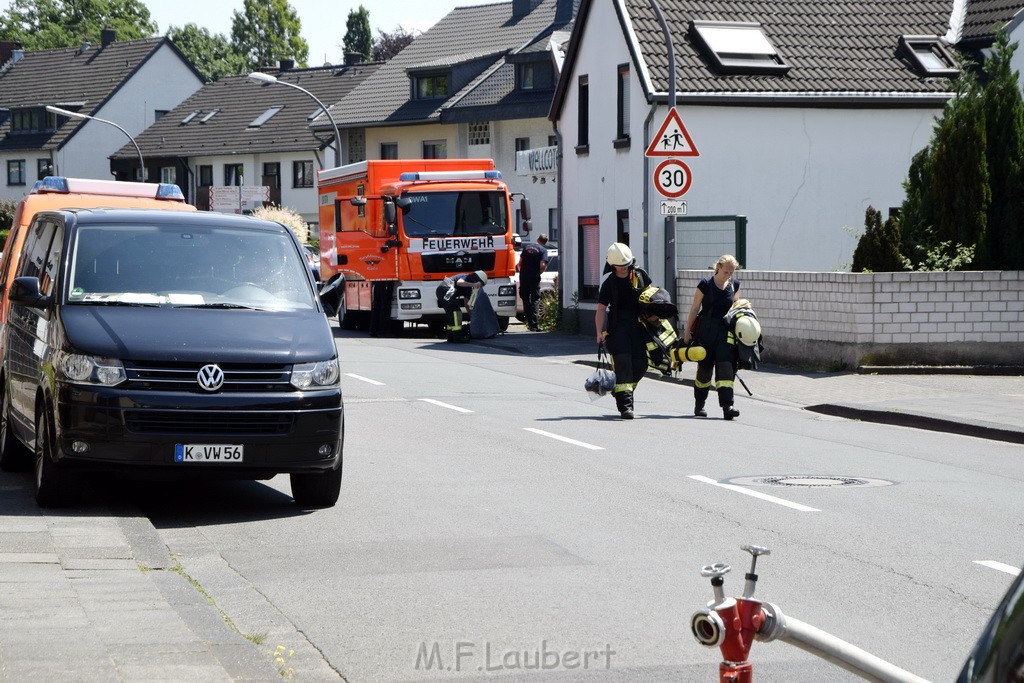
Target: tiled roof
{"x": 984, "y": 17}
{"x": 69, "y": 78}
{"x": 239, "y": 102}
{"x": 832, "y": 46}
{"x": 385, "y": 97}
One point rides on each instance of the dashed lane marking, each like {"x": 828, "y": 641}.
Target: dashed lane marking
{"x": 999, "y": 566}
{"x": 566, "y": 439}
{"x": 364, "y": 379}
{"x": 449, "y": 406}
{"x": 755, "y": 494}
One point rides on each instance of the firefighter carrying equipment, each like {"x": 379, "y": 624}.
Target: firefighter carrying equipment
{"x": 744, "y": 328}
{"x": 620, "y": 254}
{"x": 656, "y": 301}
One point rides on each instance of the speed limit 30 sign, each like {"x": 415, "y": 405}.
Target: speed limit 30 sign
{"x": 672, "y": 178}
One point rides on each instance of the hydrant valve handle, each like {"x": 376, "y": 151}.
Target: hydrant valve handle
{"x": 716, "y": 570}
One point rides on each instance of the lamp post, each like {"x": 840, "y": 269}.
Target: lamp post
{"x": 260, "y": 77}
{"x": 75, "y": 115}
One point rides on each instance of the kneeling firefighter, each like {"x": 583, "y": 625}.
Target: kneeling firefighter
{"x": 665, "y": 350}
{"x": 618, "y": 304}
{"x": 455, "y": 293}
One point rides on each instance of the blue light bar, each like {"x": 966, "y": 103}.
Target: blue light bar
{"x": 170, "y": 191}
{"x": 51, "y": 184}
{"x": 410, "y": 176}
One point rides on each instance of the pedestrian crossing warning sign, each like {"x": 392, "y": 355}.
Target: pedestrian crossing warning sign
{"x": 672, "y": 139}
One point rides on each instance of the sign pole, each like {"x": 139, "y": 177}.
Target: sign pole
{"x": 668, "y": 220}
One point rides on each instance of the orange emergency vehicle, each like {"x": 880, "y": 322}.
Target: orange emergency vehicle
{"x": 395, "y": 229}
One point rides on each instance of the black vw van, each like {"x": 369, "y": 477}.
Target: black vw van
{"x": 192, "y": 343}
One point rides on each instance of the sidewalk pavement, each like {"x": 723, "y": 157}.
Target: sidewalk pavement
{"x": 93, "y": 594}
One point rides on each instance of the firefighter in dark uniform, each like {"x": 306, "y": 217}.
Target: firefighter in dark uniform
{"x": 625, "y": 336}
{"x": 455, "y": 293}
{"x": 711, "y": 303}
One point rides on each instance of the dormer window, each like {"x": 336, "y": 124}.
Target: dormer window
{"x": 534, "y": 76}
{"x": 738, "y": 47}
{"x": 929, "y": 56}
{"x": 34, "y": 120}
{"x": 430, "y": 86}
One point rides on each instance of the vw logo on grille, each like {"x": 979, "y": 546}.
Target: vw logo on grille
{"x": 210, "y": 377}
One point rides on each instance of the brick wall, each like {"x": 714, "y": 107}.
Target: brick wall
{"x": 845, "y": 320}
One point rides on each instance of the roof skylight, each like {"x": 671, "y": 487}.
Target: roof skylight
{"x": 209, "y": 116}
{"x": 189, "y": 117}
{"x": 738, "y": 47}
{"x": 264, "y": 117}
{"x": 929, "y": 56}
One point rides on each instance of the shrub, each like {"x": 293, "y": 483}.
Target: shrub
{"x": 879, "y": 247}
{"x": 288, "y": 217}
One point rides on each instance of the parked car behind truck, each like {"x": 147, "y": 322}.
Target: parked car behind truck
{"x": 164, "y": 341}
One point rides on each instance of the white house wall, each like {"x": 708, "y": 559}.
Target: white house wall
{"x": 161, "y": 83}
{"x": 802, "y": 176}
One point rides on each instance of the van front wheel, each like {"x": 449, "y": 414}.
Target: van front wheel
{"x": 55, "y": 486}
{"x": 316, "y": 490}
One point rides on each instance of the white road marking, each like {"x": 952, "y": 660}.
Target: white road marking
{"x": 566, "y": 439}
{"x": 755, "y": 494}
{"x": 364, "y": 379}
{"x": 449, "y": 406}
{"x": 999, "y": 566}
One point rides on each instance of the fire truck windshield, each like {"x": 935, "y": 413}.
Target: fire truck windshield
{"x": 455, "y": 213}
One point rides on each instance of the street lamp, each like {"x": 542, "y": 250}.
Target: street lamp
{"x": 260, "y": 77}
{"x": 75, "y": 115}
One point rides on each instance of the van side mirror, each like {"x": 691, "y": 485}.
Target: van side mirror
{"x": 524, "y": 209}
{"x": 390, "y": 213}
{"x": 25, "y": 291}
{"x": 331, "y": 293}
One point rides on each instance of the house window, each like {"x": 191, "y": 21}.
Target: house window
{"x": 929, "y": 56}
{"x": 16, "y": 172}
{"x": 583, "y": 117}
{"x": 209, "y": 116}
{"x": 737, "y": 47}
{"x": 430, "y": 87}
{"x": 534, "y": 76}
{"x": 591, "y": 259}
{"x": 159, "y": 114}
{"x": 389, "y": 150}
{"x": 264, "y": 117}
{"x": 622, "y": 113}
{"x": 272, "y": 175}
{"x": 188, "y": 117}
{"x": 480, "y": 133}
{"x": 622, "y": 226}
{"x": 32, "y": 121}
{"x": 205, "y": 176}
{"x": 552, "y": 141}
{"x": 522, "y": 144}
{"x": 233, "y": 174}
{"x": 44, "y": 167}
{"x": 553, "y": 225}
{"x": 302, "y": 174}
{"x": 435, "y": 149}
{"x": 168, "y": 174}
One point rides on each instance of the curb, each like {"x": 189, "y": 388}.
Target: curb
{"x": 934, "y": 424}
{"x": 1010, "y": 370}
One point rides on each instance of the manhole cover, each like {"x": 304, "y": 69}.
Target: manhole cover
{"x": 808, "y": 481}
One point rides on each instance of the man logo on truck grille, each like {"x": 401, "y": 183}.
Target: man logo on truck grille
{"x": 210, "y": 377}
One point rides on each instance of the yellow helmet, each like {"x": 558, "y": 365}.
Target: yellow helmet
{"x": 747, "y": 330}
{"x": 620, "y": 254}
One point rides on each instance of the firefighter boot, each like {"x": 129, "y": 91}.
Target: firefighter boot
{"x": 624, "y": 402}
{"x": 454, "y": 327}
{"x": 700, "y": 397}
{"x": 725, "y": 396}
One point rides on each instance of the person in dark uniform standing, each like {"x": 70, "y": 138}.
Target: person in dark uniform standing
{"x": 532, "y": 262}
{"x": 625, "y": 337}
{"x": 707, "y": 325}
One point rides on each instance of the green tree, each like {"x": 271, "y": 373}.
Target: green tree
{"x": 1004, "y": 123}
{"x": 917, "y": 216}
{"x": 387, "y": 45}
{"x": 267, "y": 31}
{"x": 46, "y": 24}
{"x": 878, "y": 249}
{"x": 212, "y": 54}
{"x": 357, "y": 33}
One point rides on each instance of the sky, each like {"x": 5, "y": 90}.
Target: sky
{"x": 323, "y": 29}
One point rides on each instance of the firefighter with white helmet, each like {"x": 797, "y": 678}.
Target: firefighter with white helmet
{"x": 706, "y": 323}
{"x": 618, "y": 323}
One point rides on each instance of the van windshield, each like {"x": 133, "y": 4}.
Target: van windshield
{"x": 165, "y": 265}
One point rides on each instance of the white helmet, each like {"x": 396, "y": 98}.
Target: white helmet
{"x": 619, "y": 254}
{"x": 748, "y": 330}
{"x": 482, "y": 275}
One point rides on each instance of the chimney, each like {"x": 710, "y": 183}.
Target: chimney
{"x": 520, "y": 8}
{"x": 9, "y": 50}
{"x": 353, "y": 58}
{"x": 107, "y": 36}
{"x": 287, "y": 64}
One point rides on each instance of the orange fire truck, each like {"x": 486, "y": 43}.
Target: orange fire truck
{"x": 394, "y": 229}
